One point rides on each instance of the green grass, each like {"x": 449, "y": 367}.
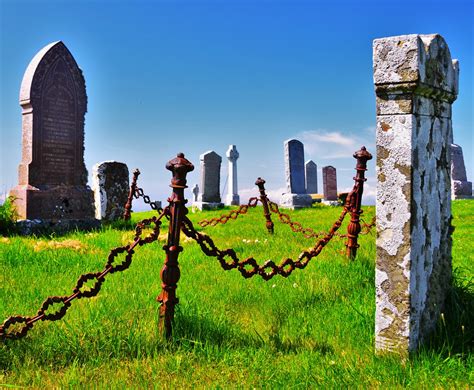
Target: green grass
{"x": 315, "y": 328}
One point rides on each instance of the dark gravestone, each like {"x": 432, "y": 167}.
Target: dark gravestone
{"x": 311, "y": 170}
{"x": 460, "y": 187}
{"x": 329, "y": 183}
{"x": 210, "y": 196}
{"x": 52, "y": 180}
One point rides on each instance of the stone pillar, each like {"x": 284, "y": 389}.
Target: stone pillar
{"x": 233, "y": 193}
{"x": 460, "y": 187}
{"x": 311, "y": 171}
{"x": 210, "y": 197}
{"x": 415, "y": 82}
{"x": 110, "y": 185}
{"x": 296, "y": 196}
{"x": 330, "y": 185}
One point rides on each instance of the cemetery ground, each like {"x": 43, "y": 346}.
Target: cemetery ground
{"x": 314, "y": 328}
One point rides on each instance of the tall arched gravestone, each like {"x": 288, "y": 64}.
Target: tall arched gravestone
{"x": 416, "y": 82}
{"x": 52, "y": 182}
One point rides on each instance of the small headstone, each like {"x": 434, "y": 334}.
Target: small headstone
{"x": 311, "y": 170}
{"x": 460, "y": 187}
{"x": 329, "y": 183}
{"x": 52, "y": 180}
{"x": 110, "y": 184}
{"x": 196, "y": 193}
{"x": 295, "y": 196}
{"x": 233, "y": 194}
{"x": 210, "y": 197}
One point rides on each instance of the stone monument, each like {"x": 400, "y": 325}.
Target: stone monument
{"x": 296, "y": 196}
{"x": 195, "y": 193}
{"x": 460, "y": 187}
{"x": 415, "y": 82}
{"x": 52, "y": 180}
{"x": 232, "y": 198}
{"x": 330, "y": 185}
{"x": 210, "y": 197}
{"x": 110, "y": 184}
{"x": 311, "y": 174}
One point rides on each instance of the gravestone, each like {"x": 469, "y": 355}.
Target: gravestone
{"x": 210, "y": 197}
{"x": 460, "y": 187}
{"x": 52, "y": 180}
{"x": 110, "y": 184}
{"x": 233, "y": 194}
{"x": 415, "y": 82}
{"x": 195, "y": 193}
{"x": 311, "y": 171}
{"x": 295, "y": 196}
{"x": 329, "y": 184}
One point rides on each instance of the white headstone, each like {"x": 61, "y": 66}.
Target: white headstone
{"x": 233, "y": 194}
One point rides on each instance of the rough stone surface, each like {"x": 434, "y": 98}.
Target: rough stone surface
{"x": 233, "y": 193}
{"x": 210, "y": 196}
{"x": 37, "y": 227}
{"x": 110, "y": 183}
{"x": 295, "y": 196}
{"x": 460, "y": 187}
{"x": 329, "y": 183}
{"x": 52, "y": 180}
{"x": 415, "y": 82}
{"x": 311, "y": 171}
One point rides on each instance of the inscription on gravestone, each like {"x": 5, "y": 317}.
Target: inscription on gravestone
{"x": 52, "y": 175}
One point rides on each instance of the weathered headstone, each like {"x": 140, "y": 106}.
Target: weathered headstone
{"x": 52, "y": 181}
{"x": 330, "y": 184}
{"x": 311, "y": 171}
{"x": 110, "y": 184}
{"x": 210, "y": 197}
{"x": 460, "y": 187}
{"x": 233, "y": 194}
{"x": 415, "y": 81}
{"x": 195, "y": 193}
{"x": 295, "y": 196}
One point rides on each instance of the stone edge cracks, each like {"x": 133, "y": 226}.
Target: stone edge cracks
{"x": 393, "y": 232}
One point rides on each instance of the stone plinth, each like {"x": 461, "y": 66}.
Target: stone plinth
{"x": 110, "y": 183}
{"x": 415, "y": 82}
{"x": 52, "y": 181}
{"x": 210, "y": 197}
{"x": 460, "y": 187}
{"x": 295, "y": 196}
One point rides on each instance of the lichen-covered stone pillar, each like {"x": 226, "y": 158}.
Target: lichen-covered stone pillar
{"x": 415, "y": 82}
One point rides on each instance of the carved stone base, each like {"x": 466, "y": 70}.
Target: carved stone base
{"x": 232, "y": 200}
{"x": 295, "y": 201}
{"x": 207, "y": 205}
{"x": 53, "y": 203}
{"x": 331, "y": 202}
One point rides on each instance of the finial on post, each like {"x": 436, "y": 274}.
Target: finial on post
{"x": 179, "y": 166}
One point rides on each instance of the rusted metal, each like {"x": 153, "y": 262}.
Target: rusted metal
{"x": 353, "y": 203}
{"x": 224, "y": 218}
{"x": 170, "y": 273}
{"x": 131, "y": 194}
{"x": 78, "y": 291}
{"x": 260, "y": 183}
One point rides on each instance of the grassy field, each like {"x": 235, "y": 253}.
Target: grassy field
{"x": 315, "y": 328}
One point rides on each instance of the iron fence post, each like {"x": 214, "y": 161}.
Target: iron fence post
{"x": 263, "y": 198}
{"x": 133, "y": 188}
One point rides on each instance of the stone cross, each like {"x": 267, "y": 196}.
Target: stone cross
{"x": 52, "y": 180}
{"x": 329, "y": 183}
{"x": 110, "y": 184}
{"x": 210, "y": 197}
{"x": 311, "y": 171}
{"x": 296, "y": 196}
{"x": 196, "y": 193}
{"x": 460, "y": 187}
{"x": 415, "y": 82}
{"x": 233, "y": 194}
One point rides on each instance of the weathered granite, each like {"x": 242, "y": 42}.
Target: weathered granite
{"x": 460, "y": 187}
{"x": 210, "y": 197}
{"x": 295, "y": 196}
{"x": 330, "y": 183}
{"x": 311, "y": 173}
{"x": 110, "y": 183}
{"x": 52, "y": 179}
{"x": 232, "y": 198}
{"x": 415, "y": 83}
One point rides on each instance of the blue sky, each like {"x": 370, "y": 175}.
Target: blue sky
{"x": 193, "y": 76}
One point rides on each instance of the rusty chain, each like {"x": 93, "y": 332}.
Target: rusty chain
{"x": 138, "y": 193}
{"x": 269, "y": 269}
{"x": 241, "y": 210}
{"x": 78, "y": 292}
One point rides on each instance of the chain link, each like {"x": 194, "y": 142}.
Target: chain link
{"x": 140, "y": 194}
{"x": 223, "y": 219}
{"x": 112, "y": 265}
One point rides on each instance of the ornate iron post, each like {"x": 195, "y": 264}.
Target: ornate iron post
{"x": 170, "y": 274}
{"x": 354, "y": 200}
{"x": 133, "y": 188}
{"x": 263, "y": 198}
